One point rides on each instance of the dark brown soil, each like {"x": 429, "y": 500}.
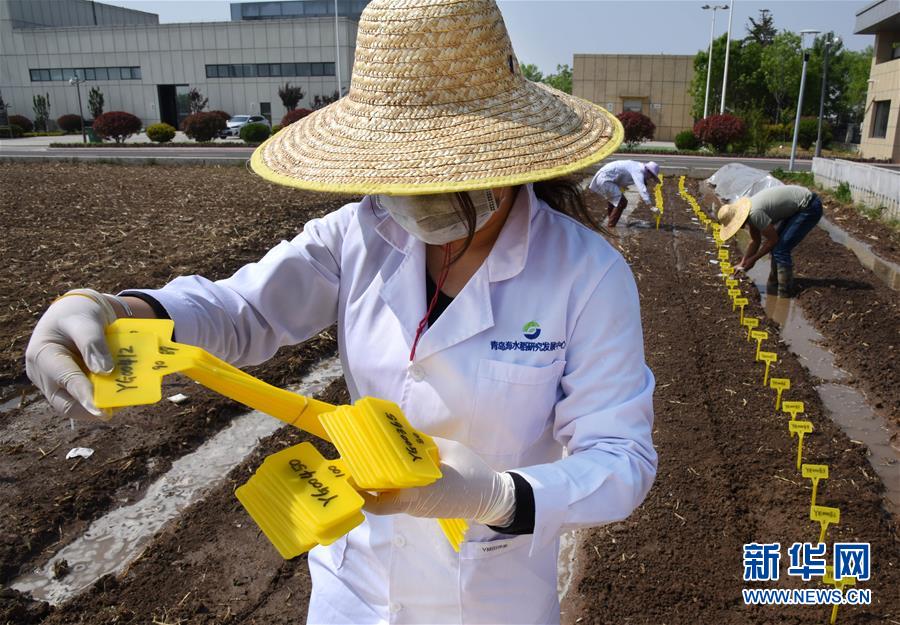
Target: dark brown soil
{"x": 726, "y": 478}
{"x": 727, "y": 474}
{"x": 884, "y": 239}
{"x": 154, "y": 223}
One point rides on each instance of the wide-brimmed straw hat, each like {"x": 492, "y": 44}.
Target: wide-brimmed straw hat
{"x": 437, "y": 103}
{"x": 732, "y": 217}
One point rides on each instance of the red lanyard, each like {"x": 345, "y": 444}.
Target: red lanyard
{"x": 445, "y": 269}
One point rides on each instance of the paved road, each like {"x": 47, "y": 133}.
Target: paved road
{"x": 240, "y": 155}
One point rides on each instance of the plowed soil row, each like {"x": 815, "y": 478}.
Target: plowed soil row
{"x": 727, "y": 472}
{"x": 111, "y": 227}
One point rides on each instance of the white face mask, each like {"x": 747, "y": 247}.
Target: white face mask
{"x": 436, "y": 219}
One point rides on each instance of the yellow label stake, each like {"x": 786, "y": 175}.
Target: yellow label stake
{"x": 780, "y": 385}
{"x": 793, "y": 408}
{"x": 768, "y": 358}
{"x": 828, "y": 579}
{"x": 801, "y": 429}
{"x": 825, "y": 517}
{"x": 731, "y": 283}
{"x": 740, "y": 302}
{"x": 750, "y": 322}
{"x": 759, "y": 336}
{"x": 723, "y": 254}
{"x": 814, "y": 472}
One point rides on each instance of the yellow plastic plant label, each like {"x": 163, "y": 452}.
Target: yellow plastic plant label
{"x": 793, "y": 408}
{"x": 801, "y": 429}
{"x": 768, "y": 358}
{"x": 828, "y": 579}
{"x": 814, "y": 472}
{"x": 780, "y": 385}
{"x": 740, "y": 302}
{"x": 733, "y": 293}
{"x": 723, "y": 254}
{"x": 825, "y": 516}
{"x": 750, "y": 322}
{"x": 759, "y": 336}
{"x": 731, "y": 283}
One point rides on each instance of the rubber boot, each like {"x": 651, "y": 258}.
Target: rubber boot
{"x": 772, "y": 282}
{"x": 785, "y": 281}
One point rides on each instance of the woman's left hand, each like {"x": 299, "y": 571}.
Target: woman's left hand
{"x": 469, "y": 489}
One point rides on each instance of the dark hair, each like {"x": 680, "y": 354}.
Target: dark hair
{"x": 561, "y": 194}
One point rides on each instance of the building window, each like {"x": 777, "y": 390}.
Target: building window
{"x": 262, "y": 70}
{"x": 880, "y": 111}
{"x": 635, "y": 106}
{"x": 86, "y": 73}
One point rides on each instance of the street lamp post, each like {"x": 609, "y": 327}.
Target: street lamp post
{"x": 835, "y": 40}
{"x": 803, "y": 33}
{"x": 337, "y": 51}
{"x": 727, "y": 50}
{"x": 712, "y": 30}
{"x": 75, "y": 80}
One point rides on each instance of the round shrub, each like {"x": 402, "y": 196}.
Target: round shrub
{"x": 69, "y": 123}
{"x": 276, "y": 128}
{"x": 160, "y": 133}
{"x": 291, "y": 116}
{"x": 22, "y": 122}
{"x": 638, "y": 127}
{"x": 809, "y": 130}
{"x": 222, "y": 114}
{"x": 686, "y": 140}
{"x": 116, "y": 125}
{"x": 720, "y": 130}
{"x": 254, "y": 133}
{"x": 203, "y": 126}
{"x": 13, "y": 131}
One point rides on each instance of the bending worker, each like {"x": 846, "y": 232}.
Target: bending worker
{"x": 610, "y": 181}
{"x": 464, "y": 288}
{"x": 778, "y": 218}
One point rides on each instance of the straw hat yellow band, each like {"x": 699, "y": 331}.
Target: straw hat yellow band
{"x": 437, "y": 103}
{"x": 732, "y": 217}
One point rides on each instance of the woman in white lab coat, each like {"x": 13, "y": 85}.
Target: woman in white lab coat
{"x": 464, "y": 289}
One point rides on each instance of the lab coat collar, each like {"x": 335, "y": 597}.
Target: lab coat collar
{"x": 507, "y": 258}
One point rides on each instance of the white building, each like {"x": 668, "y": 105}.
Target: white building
{"x": 146, "y": 68}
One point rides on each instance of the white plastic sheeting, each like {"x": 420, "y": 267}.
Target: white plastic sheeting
{"x": 736, "y": 180}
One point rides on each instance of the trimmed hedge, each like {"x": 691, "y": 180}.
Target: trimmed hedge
{"x": 686, "y": 140}
{"x": 203, "y": 126}
{"x": 22, "y": 122}
{"x": 116, "y": 125}
{"x": 291, "y": 116}
{"x": 719, "y": 131}
{"x": 254, "y": 133}
{"x": 160, "y": 133}
{"x": 69, "y": 123}
{"x": 13, "y": 131}
{"x": 638, "y": 127}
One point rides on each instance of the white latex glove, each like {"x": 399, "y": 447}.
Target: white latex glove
{"x": 67, "y": 337}
{"x": 469, "y": 489}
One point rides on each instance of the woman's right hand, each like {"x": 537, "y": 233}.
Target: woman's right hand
{"x": 68, "y": 337}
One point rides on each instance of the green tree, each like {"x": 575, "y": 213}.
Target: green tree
{"x": 762, "y": 32}
{"x": 856, "y": 67}
{"x": 781, "y": 63}
{"x": 561, "y": 80}
{"x": 746, "y": 84}
{"x": 95, "y": 102}
{"x": 531, "y": 72}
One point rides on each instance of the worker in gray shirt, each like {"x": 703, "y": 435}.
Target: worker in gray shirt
{"x": 778, "y": 218}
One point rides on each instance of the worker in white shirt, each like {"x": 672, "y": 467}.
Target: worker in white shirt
{"x": 464, "y": 288}
{"x": 610, "y": 181}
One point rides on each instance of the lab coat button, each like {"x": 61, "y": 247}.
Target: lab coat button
{"x": 417, "y": 373}
{"x": 395, "y": 607}
{"x": 399, "y": 541}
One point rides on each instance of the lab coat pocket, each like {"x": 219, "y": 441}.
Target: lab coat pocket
{"x": 513, "y": 404}
{"x": 500, "y": 583}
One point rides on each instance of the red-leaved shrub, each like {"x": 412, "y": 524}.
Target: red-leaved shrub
{"x": 638, "y": 127}
{"x": 222, "y": 114}
{"x": 203, "y": 126}
{"x": 22, "y": 122}
{"x": 116, "y": 125}
{"x": 291, "y": 116}
{"x": 720, "y": 130}
{"x": 69, "y": 123}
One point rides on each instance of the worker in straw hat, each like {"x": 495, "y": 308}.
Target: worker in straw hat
{"x": 778, "y": 219}
{"x": 464, "y": 288}
{"x": 611, "y": 179}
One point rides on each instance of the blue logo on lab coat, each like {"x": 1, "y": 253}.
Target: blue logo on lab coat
{"x": 532, "y": 330}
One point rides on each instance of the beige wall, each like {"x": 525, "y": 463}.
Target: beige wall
{"x": 885, "y": 85}
{"x": 660, "y": 82}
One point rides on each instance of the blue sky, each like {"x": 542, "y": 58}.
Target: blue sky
{"x": 549, "y": 32}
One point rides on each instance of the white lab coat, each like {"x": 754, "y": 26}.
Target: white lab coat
{"x": 581, "y": 384}
{"x": 615, "y": 176}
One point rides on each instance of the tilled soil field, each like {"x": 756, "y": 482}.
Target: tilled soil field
{"x": 726, "y": 473}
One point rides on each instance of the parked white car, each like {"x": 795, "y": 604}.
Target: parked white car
{"x": 233, "y": 126}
